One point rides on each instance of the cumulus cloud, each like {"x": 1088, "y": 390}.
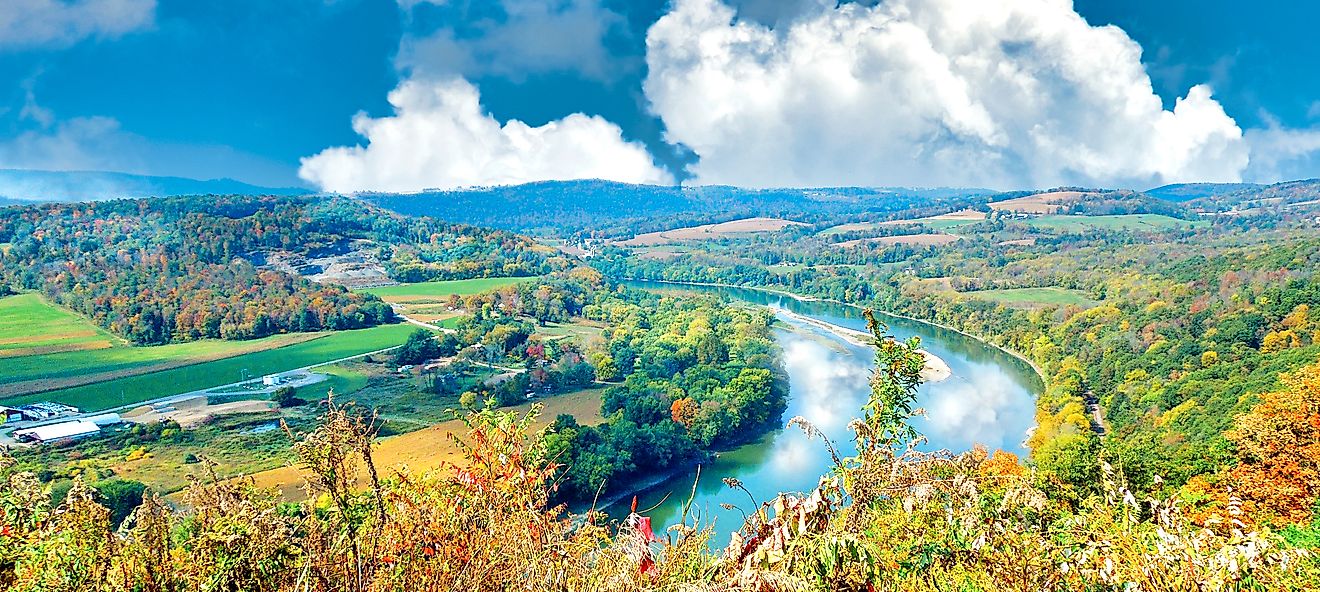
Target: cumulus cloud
{"x": 520, "y": 38}
{"x": 927, "y": 92}
{"x": 1279, "y": 153}
{"x": 439, "y": 137}
{"x": 60, "y": 23}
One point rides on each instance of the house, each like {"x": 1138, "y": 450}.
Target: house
{"x": 10, "y": 414}
{"x": 58, "y": 432}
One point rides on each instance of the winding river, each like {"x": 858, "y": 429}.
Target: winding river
{"x": 989, "y": 399}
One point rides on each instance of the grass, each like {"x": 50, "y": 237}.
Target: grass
{"x": 437, "y": 290}
{"x": 134, "y": 389}
{"x": 31, "y": 325}
{"x": 432, "y": 447}
{"x": 1144, "y": 222}
{"x": 1033, "y": 297}
{"x": 127, "y": 358}
{"x": 581, "y": 332}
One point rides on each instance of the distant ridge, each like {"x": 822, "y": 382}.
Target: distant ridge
{"x": 1190, "y": 191}
{"x": 625, "y": 208}
{"x": 20, "y": 185}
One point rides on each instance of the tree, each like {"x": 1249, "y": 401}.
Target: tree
{"x": 1278, "y": 448}
{"x": 121, "y": 496}
{"x": 419, "y": 347}
{"x": 286, "y": 396}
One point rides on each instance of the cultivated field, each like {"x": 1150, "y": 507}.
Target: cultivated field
{"x": 127, "y": 390}
{"x": 930, "y": 240}
{"x": 432, "y": 447}
{"x": 436, "y": 291}
{"x": 31, "y": 363}
{"x": 1041, "y": 203}
{"x": 939, "y": 222}
{"x": 710, "y": 231}
{"x": 1033, "y": 297}
{"x": 1140, "y": 222}
{"x": 29, "y": 325}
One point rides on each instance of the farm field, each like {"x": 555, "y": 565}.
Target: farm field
{"x": 1040, "y": 203}
{"x": 432, "y": 447}
{"x": 938, "y": 222}
{"x": 1151, "y": 222}
{"x": 1032, "y": 297}
{"x": 904, "y": 239}
{"x": 29, "y": 325}
{"x": 432, "y": 291}
{"x": 709, "y": 231}
{"x": 39, "y": 372}
{"x": 581, "y": 331}
{"x": 133, "y": 389}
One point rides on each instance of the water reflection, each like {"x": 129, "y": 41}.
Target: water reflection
{"x": 989, "y": 400}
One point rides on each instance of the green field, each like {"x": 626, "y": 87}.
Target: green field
{"x": 1033, "y": 297}
{"x": 29, "y": 322}
{"x": 1146, "y": 222}
{"x": 124, "y": 357}
{"x": 431, "y": 290}
{"x": 134, "y": 389}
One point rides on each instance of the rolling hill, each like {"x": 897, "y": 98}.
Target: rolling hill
{"x": 17, "y": 186}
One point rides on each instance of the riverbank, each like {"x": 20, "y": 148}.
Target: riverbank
{"x": 935, "y": 370}
{"x": 801, "y": 298}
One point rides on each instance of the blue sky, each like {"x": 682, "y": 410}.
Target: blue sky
{"x": 267, "y": 92}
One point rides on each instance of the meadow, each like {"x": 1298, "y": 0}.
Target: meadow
{"x": 143, "y": 387}
{"x": 422, "y": 291}
{"x": 1147, "y": 222}
{"x": 30, "y": 325}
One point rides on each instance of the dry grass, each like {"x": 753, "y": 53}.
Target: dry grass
{"x": 960, "y": 215}
{"x": 1021, "y": 242}
{"x": 710, "y": 231}
{"x": 432, "y": 447}
{"x": 929, "y": 240}
{"x": 1041, "y": 203}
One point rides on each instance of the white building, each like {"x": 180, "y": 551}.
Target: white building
{"x": 271, "y": 380}
{"x": 58, "y": 432}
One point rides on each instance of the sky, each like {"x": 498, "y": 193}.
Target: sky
{"x": 353, "y": 95}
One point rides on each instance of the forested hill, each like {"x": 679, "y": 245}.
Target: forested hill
{"x": 31, "y": 185}
{"x": 613, "y": 209}
{"x": 177, "y": 269}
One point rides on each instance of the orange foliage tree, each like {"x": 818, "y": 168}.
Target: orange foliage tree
{"x": 1278, "y": 447}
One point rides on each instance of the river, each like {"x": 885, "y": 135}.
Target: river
{"x": 989, "y": 399}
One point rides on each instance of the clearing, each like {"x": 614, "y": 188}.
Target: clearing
{"x": 1033, "y": 297}
{"x": 31, "y": 325}
{"x": 1141, "y": 222}
{"x": 422, "y": 292}
{"x": 127, "y": 390}
{"x": 432, "y": 447}
{"x": 929, "y": 240}
{"x": 1040, "y": 203}
{"x": 939, "y": 222}
{"x": 710, "y": 231}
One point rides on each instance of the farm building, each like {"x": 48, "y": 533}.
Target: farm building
{"x": 10, "y": 414}
{"x": 58, "y": 432}
{"x": 105, "y": 419}
{"x": 45, "y": 410}
{"x": 271, "y": 380}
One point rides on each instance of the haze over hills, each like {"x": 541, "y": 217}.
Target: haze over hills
{"x": 21, "y": 185}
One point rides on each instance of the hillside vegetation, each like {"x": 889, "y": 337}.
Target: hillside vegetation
{"x": 182, "y": 269}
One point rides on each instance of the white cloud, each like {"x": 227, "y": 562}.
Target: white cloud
{"x": 60, "y": 23}
{"x": 1279, "y": 154}
{"x": 101, "y": 144}
{"x": 927, "y": 92}
{"x": 531, "y": 36}
{"x": 439, "y": 137}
